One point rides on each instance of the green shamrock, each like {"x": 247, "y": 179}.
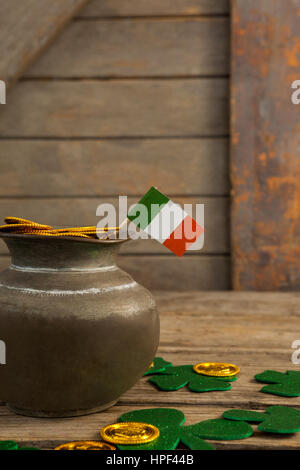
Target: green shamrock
{"x": 218, "y": 429}
{"x": 170, "y": 423}
{"x": 276, "y": 419}
{"x": 8, "y": 445}
{"x": 159, "y": 365}
{"x": 12, "y": 445}
{"x": 285, "y": 384}
{"x": 194, "y": 442}
{"x": 167, "y": 420}
{"x": 174, "y": 378}
{"x": 29, "y": 448}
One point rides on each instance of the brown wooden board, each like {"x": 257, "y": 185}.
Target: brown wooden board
{"x": 119, "y": 8}
{"x": 116, "y": 108}
{"x": 191, "y": 272}
{"x": 62, "y": 212}
{"x": 265, "y": 169}
{"x": 253, "y": 330}
{"x": 106, "y": 167}
{"x": 164, "y": 47}
{"x": 26, "y": 28}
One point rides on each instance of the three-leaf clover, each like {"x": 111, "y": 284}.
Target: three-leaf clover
{"x": 159, "y": 365}
{"x": 174, "y": 378}
{"x": 276, "y": 419}
{"x": 219, "y": 429}
{"x": 12, "y": 445}
{"x": 170, "y": 423}
{"x": 285, "y": 384}
{"x": 8, "y": 445}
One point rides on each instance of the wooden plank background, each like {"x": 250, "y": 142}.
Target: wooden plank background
{"x": 119, "y": 8}
{"x": 265, "y": 168}
{"x": 26, "y": 28}
{"x": 132, "y": 94}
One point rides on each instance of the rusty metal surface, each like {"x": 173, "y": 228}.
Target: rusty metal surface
{"x": 265, "y": 145}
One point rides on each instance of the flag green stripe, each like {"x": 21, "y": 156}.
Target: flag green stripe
{"x": 153, "y": 196}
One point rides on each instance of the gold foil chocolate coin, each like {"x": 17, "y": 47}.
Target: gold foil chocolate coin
{"x": 216, "y": 369}
{"x": 19, "y": 227}
{"x": 129, "y": 433}
{"x": 85, "y": 445}
{"x": 19, "y": 221}
{"x": 87, "y": 229}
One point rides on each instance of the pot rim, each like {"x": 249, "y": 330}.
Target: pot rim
{"x": 66, "y": 238}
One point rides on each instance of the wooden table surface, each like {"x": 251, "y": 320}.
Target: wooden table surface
{"x": 253, "y": 330}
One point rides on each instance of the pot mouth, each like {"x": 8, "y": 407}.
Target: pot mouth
{"x": 97, "y": 241}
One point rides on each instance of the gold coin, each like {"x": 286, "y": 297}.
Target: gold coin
{"x": 85, "y": 445}
{"x": 216, "y": 369}
{"x": 49, "y": 233}
{"x": 86, "y": 229}
{"x": 18, "y": 221}
{"x": 70, "y": 234}
{"x": 16, "y": 227}
{"x": 129, "y": 433}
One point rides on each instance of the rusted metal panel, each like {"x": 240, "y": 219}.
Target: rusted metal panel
{"x": 265, "y": 145}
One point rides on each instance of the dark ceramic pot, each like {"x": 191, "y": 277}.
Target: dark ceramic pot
{"x": 79, "y": 331}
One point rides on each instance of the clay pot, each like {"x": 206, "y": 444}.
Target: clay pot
{"x": 79, "y": 331}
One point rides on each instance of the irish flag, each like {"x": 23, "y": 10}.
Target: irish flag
{"x": 165, "y": 221}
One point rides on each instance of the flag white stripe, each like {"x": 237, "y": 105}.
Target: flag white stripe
{"x": 165, "y": 222}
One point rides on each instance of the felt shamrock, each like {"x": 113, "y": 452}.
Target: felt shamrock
{"x": 29, "y": 448}
{"x": 170, "y": 423}
{"x": 159, "y": 365}
{"x": 12, "y": 445}
{"x": 276, "y": 419}
{"x": 285, "y": 384}
{"x": 174, "y": 378}
{"x": 218, "y": 429}
{"x": 8, "y": 445}
{"x": 167, "y": 420}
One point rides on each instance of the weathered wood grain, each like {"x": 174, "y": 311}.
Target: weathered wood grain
{"x": 153, "y": 7}
{"x": 166, "y": 272}
{"x": 182, "y": 274}
{"x": 252, "y": 330}
{"x": 176, "y": 47}
{"x": 116, "y": 108}
{"x": 106, "y": 167}
{"x": 233, "y": 304}
{"x": 265, "y": 169}
{"x": 26, "y": 28}
{"x": 62, "y": 212}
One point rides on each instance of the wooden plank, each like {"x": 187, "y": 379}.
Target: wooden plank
{"x": 117, "y": 108}
{"x": 245, "y": 392}
{"x": 235, "y": 304}
{"x": 27, "y": 28}
{"x": 176, "y": 47}
{"x": 171, "y": 273}
{"x": 106, "y": 167}
{"x": 197, "y": 326}
{"x": 166, "y": 272}
{"x": 48, "y": 433}
{"x": 82, "y": 211}
{"x": 119, "y": 8}
{"x": 265, "y": 167}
